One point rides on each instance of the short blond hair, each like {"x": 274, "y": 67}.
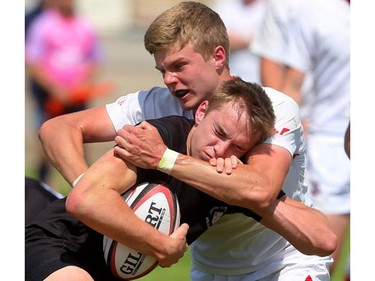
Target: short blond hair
{"x": 188, "y": 22}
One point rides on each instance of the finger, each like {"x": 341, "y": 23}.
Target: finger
{"x": 181, "y": 232}
{"x": 120, "y": 151}
{"x": 228, "y": 165}
{"x": 220, "y": 165}
{"x": 127, "y": 128}
{"x": 212, "y": 162}
{"x": 145, "y": 125}
{"x": 124, "y": 132}
{"x": 235, "y": 161}
{"x": 133, "y": 130}
{"x": 119, "y": 140}
{"x": 125, "y": 140}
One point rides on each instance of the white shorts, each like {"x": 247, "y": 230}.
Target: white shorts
{"x": 328, "y": 174}
{"x": 315, "y": 269}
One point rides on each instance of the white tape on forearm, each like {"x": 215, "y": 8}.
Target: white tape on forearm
{"x": 77, "y": 180}
{"x": 167, "y": 161}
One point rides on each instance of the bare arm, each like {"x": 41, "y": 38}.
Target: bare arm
{"x": 307, "y": 229}
{"x": 96, "y": 201}
{"x": 62, "y": 138}
{"x": 284, "y": 79}
{"x": 255, "y": 185}
{"x": 272, "y": 73}
{"x": 292, "y": 85}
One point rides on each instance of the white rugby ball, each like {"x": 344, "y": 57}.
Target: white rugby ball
{"x": 155, "y": 204}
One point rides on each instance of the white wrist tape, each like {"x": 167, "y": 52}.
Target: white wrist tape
{"x": 167, "y": 161}
{"x": 77, "y": 180}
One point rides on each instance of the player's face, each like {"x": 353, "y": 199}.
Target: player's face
{"x": 220, "y": 133}
{"x": 187, "y": 75}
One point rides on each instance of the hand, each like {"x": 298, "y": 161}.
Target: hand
{"x": 227, "y": 164}
{"x": 177, "y": 247}
{"x": 141, "y": 145}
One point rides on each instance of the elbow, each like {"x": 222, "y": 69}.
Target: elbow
{"x": 75, "y": 205}
{"x": 322, "y": 247}
{"x": 328, "y": 244}
{"x": 326, "y": 241}
{"x": 45, "y": 128}
{"x": 261, "y": 203}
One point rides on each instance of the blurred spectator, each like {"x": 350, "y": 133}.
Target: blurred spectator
{"x": 62, "y": 58}
{"x": 242, "y": 18}
{"x": 312, "y": 37}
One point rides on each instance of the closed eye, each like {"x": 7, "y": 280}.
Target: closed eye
{"x": 220, "y": 133}
{"x": 239, "y": 149}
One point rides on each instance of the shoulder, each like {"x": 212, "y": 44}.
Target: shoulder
{"x": 280, "y": 99}
{"x": 173, "y": 125}
{"x": 287, "y": 112}
{"x": 144, "y": 105}
{"x": 174, "y": 130}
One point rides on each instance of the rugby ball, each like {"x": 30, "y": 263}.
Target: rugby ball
{"x": 158, "y": 206}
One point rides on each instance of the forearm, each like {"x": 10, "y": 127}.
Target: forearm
{"x": 63, "y": 137}
{"x": 64, "y": 148}
{"x": 292, "y": 84}
{"x": 244, "y": 187}
{"x": 107, "y": 213}
{"x": 96, "y": 200}
{"x": 305, "y": 228}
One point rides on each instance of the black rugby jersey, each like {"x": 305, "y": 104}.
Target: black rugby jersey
{"x": 197, "y": 209}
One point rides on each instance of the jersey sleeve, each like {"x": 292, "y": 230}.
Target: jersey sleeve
{"x": 288, "y": 127}
{"x": 143, "y": 105}
{"x": 126, "y": 110}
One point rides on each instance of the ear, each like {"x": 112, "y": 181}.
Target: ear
{"x": 220, "y": 56}
{"x": 201, "y": 111}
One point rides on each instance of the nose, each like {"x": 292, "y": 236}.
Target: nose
{"x": 169, "y": 78}
{"x": 222, "y": 149}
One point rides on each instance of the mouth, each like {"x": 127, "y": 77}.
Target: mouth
{"x": 180, "y": 93}
{"x": 206, "y": 156}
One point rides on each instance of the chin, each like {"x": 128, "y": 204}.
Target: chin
{"x": 187, "y": 105}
